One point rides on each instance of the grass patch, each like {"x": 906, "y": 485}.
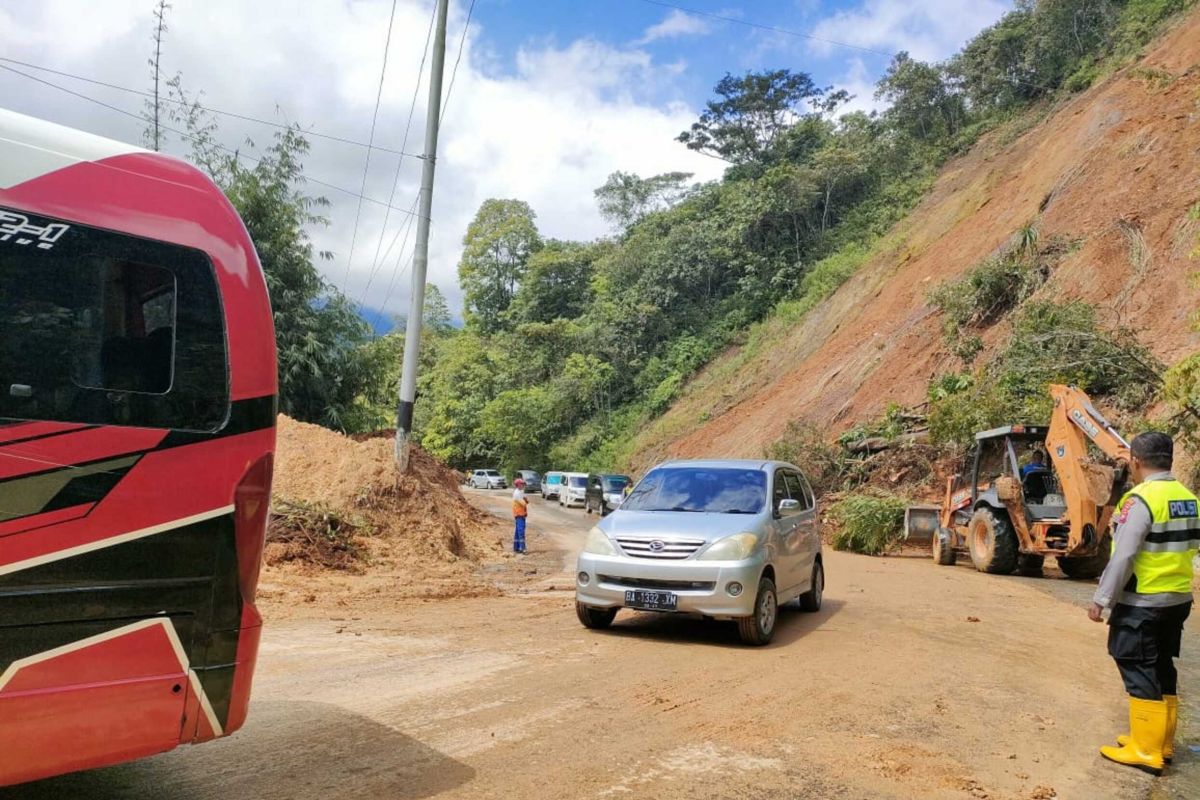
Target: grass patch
{"x": 868, "y": 524}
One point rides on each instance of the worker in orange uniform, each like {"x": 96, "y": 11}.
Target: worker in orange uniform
{"x": 520, "y": 510}
{"x": 1148, "y": 586}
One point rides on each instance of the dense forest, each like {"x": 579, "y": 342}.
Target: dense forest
{"x": 567, "y": 348}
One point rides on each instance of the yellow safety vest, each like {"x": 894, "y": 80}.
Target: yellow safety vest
{"x": 1164, "y": 562}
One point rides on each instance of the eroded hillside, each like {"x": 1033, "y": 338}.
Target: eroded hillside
{"x": 1115, "y": 169}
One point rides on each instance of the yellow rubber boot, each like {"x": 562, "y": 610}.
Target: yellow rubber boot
{"x": 1172, "y": 702}
{"x": 1147, "y": 732}
{"x": 1172, "y": 723}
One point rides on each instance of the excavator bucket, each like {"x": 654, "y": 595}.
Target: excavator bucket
{"x": 921, "y": 523}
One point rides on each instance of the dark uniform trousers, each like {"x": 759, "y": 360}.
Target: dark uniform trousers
{"x": 1144, "y": 642}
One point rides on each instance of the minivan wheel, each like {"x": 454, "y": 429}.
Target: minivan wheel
{"x": 595, "y": 618}
{"x": 759, "y": 628}
{"x": 811, "y": 600}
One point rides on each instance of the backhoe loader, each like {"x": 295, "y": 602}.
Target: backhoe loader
{"x": 1008, "y": 521}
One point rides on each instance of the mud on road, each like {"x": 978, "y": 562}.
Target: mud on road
{"x": 913, "y": 681}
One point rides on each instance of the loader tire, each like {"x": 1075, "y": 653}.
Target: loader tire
{"x": 992, "y": 542}
{"x": 1030, "y": 565}
{"x": 1087, "y": 567}
{"x": 943, "y": 548}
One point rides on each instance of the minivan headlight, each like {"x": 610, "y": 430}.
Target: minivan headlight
{"x": 731, "y": 548}
{"x": 598, "y": 544}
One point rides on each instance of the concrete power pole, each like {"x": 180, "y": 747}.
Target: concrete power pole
{"x": 416, "y": 307}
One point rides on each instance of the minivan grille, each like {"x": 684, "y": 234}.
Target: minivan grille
{"x": 655, "y": 583}
{"x": 650, "y": 547}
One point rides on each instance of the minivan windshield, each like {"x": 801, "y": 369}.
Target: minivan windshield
{"x": 615, "y": 483}
{"x": 700, "y": 489}
{"x": 552, "y": 479}
{"x": 577, "y": 482}
{"x": 491, "y": 473}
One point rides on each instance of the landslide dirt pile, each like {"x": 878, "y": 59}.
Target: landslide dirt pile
{"x": 1114, "y": 169}
{"x": 339, "y": 503}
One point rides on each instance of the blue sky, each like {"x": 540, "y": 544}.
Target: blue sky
{"x": 703, "y": 48}
{"x": 550, "y": 98}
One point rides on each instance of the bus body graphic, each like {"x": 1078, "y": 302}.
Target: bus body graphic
{"x": 137, "y": 431}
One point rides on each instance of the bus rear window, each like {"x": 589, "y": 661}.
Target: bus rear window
{"x": 103, "y": 328}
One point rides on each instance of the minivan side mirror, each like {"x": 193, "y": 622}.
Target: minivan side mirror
{"x": 789, "y": 506}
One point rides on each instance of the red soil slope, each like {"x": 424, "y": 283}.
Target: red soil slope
{"x": 1115, "y": 163}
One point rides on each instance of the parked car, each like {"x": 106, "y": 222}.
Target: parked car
{"x": 605, "y": 492}
{"x": 488, "y": 479}
{"x": 533, "y": 481}
{"x": 552, "y": 483}
{"x": 723, "y": 539}
{"x": 574, "y": 489}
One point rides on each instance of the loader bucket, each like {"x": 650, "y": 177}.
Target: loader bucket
{"x": 921, "y": 523}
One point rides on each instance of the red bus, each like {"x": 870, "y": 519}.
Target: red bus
{"x": 137, "y": 430}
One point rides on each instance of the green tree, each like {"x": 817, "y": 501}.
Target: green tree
{"x": 324, "y": 369}
{"x": 497, "y": 247}
{"x": 751, "y": 113}
{"x": 625, "y": 198}
{"x": 437, "y": 319}
{"x": 922, "y": 101}
{"x": 994, "y": 68}
{"x": 556, "y": 283}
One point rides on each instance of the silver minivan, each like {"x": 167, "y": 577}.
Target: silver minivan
{"x": 725, "y": 539}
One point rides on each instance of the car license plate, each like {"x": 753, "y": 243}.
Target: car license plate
{"x": 650, "y": 601}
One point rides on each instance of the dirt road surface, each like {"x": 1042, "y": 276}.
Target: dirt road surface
{"x": 914, "y": 681}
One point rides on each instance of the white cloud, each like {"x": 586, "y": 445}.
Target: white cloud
{"x": 675, "y": 25}
{"x": 929, "y": 31}
{"x": 547, "y": 129}
{"x": 859, "y": 82}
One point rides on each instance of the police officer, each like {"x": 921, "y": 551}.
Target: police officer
{"x": 1148, "y": 587}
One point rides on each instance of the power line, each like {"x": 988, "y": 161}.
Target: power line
{"x": 772, "y": 28}
{"x": 406, "y": 229}
{"x": 387, "y": 44}
{"x": 396, "y": 274}
{"x": 236, "y": 153}
{"x": 449, "y": 91}
{"x": 208, "y": 109}
{"x": 412, "y": 107}
{"x": 458, "y": 59}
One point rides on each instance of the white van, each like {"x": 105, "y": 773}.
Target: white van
{"x": 552, "y": 483}
{"x": 574, "y": 489}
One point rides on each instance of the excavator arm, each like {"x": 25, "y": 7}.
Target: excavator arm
{"x": 1090, "y": 489}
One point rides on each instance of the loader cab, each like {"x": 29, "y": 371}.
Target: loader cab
{"x": 1014, "y": 451}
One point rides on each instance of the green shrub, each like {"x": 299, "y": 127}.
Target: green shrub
{"x": 868, "y": 524}
{"x": 989, "y": 290}
{"x": 1050, "y": 343}
{"x": 807, "y": 446}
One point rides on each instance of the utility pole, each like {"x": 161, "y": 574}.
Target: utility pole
{"x": 416, "y": 306}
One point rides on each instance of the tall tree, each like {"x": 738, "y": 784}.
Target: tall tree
{"x": 923, "y": 101}
{"x": 323, "y": 366}
{"x": 750, "y": 113}
{"x": 556, "y": 283}
{"x": 626, "y": 198}
{"x": 153, "y": 113}
{"x": 496, "y": 248}
{"x": 437, "y": 319}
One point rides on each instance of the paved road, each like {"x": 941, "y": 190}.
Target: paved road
{"x": 914, "y": 681}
